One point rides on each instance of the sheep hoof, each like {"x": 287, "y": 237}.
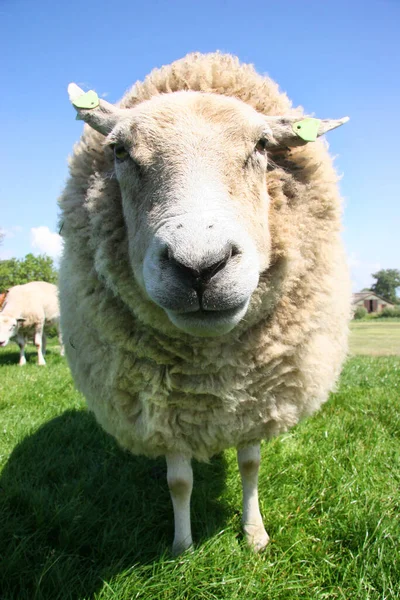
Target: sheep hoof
{"x": 257, "y": 538}
{"x": 181, "y": 547}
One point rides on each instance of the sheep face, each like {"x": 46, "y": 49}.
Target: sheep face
{"x": 8, "y": 329}
{"x": 191, "y": 170}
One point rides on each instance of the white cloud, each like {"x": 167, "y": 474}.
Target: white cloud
{"x": 46, "y": 242}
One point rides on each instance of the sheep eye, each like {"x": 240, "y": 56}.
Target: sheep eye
{"x": 120, "y": 153}
{"x": 262, "y": 145}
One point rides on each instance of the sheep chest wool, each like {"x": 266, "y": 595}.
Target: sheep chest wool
{"x": 204, "y": 292}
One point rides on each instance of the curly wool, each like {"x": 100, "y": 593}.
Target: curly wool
{"x": 159, "y": 390}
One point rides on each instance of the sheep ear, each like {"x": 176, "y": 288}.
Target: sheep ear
{"x": 99, "y": 114}
{"x": 21, "y": 320}
{"x": 293, "y": 131}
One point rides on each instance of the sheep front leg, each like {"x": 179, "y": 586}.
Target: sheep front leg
{"x": 60, "y": 341}
{"x": 249, "y": 463}
{"x": 44, "y": 343}
{"x": 21, "y": 343}
{"x": 38, "y": 344}
{"x": 180, "y": 483}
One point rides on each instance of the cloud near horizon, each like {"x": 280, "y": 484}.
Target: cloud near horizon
{"x": 47, "y": 242}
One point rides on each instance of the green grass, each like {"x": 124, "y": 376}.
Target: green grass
{"x": 375, "y": 337}
{"x": 81, "y": 519}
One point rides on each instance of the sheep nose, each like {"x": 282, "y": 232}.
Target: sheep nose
{"x": 200, "y": 273}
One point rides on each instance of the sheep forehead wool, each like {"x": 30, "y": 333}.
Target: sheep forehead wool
{"x": 175, "y": 127}
{"x": 157, "y": 389}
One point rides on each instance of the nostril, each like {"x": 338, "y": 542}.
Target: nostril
{"x": 165, "y": 254}
{"x": 235, "y": 251}
{"x": 209, "y": 272}
{"x": 199, "y": 274}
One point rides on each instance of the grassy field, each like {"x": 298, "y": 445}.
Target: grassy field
{"x": 80, "y": 519}
{"x": 375, "y": 337}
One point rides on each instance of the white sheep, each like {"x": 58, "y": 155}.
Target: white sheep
{"x": 27, "y": 310}
{"x": 204, "y": 289}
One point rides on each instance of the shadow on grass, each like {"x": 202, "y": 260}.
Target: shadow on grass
{"x": 10, "y": 356}
{"x": 76, "y": 510}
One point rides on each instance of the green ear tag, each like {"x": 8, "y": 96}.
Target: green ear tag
{"x": 307, "y": 129}
{"x": 88, "y": 100}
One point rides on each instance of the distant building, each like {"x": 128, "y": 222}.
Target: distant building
{"x": 371, "y": 302}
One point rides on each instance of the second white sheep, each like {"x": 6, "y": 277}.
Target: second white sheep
{"x": 28, "y": 309}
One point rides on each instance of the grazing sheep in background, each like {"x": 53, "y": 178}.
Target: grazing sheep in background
{"x": 26, "y": 311}
{"x": 203, "y": 284}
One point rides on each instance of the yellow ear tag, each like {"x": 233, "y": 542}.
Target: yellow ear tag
{"x": 307, "y": 129}
{"x": 88, "y": 100}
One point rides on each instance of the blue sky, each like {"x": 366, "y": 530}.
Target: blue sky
{"x": 333, "y": 57}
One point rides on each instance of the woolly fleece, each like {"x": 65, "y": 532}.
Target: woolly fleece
{"x": 159, "y": 390}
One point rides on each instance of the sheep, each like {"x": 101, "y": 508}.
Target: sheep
{"x": 204, "y": 286}
{"x": 27, "y": 309}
